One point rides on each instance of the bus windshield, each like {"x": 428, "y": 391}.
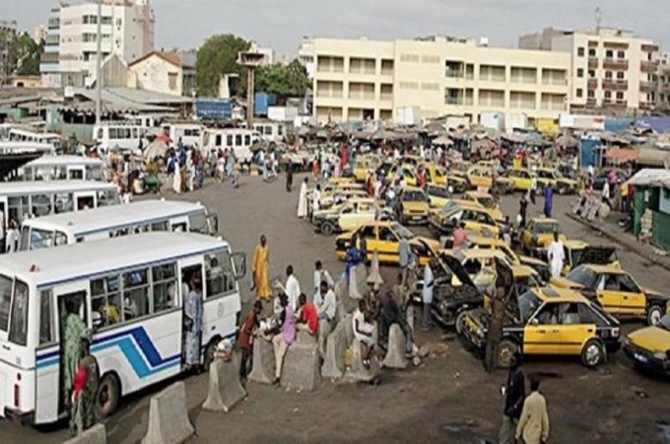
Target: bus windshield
{"x": 5, "y": 301}
{"x": 14, "y": 309}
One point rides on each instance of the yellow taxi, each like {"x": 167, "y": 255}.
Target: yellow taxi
{"x": 578, "y": 252}
{"x": 550, "y": 322}
{"x": 438, "y": 195}
{"x": 340, "y": 195}
{"x": 487, "y": 201}
{"x": 384, "y": 237}
{"x": 413, "y": 206}
{"x": 649, "y": 348}
{"x": 363, "y": 164}
{"x": 540, "y": 266}
{"x": 560, "y": 184}
{"x": 481, "y": 176}
{"x": 406, "y": 171}
{"x": 522, "y": 179}
{"x": 480, "y": 265}
{"x": 346, "y": 216}
{"x": 616, "y": 291}
{"x": 459, "y": 168}
{"x": 333, "y": 184}
{"x": 476, "y": 218}
{"x": 538, "y": 235}
{"x": 436, "y": 174}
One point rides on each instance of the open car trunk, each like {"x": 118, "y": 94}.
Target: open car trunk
{"x": 596, "y": 255}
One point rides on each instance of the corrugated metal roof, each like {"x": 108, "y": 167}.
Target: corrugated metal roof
{"x": 651, "y": 177}
{"x": 148, "y": 97}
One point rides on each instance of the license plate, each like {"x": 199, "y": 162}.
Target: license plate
{"x": 641, "y": 358}
{"x": 416, "y": 217}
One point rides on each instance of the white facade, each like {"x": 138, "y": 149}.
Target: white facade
{"x": 159, "y": 72}
{"x": 306, "y": 55}
{"x": 127, "y": 30}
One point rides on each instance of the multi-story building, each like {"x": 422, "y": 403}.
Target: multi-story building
{"x": 611, "y": 69}
{"x": 362, "y": 79}
{"x": 306, "y": 55}
{"x": 663, "y": 91}
{"x": 127, "y": 30}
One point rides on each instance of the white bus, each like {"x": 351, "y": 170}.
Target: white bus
{"x": 190, "y": 134}
{"x": 270, "y": 131}
{"x": 239, "y": 139}
{"x": 26, "y": 147}
{"x": 121, "y": 136}
{"x": 106, "y": 222}
{"x": 18, "y": 200}
{"x": 66, "y": 167}
{"x": 129, "y": 296}
{"x": 23, "y": 135}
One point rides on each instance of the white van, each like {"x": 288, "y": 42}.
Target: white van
{"x": 64, "y": 167}
{"x": 270, "y": 131}
{"x": 126, "y": 138}
{"x": 240, "y": 140}
{"x": 23, "y": 135}
{"x": 26, "y": 147}
{"x": 190, "y": 134}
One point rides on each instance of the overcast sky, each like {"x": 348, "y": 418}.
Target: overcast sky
{"x": 281, "y": 23}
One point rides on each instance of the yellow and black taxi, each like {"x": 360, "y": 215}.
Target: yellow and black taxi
{"x": 384, "y": 237}
{"x": 476, "y": 219}
{"x": 522, "y": 179}
{"x": 578, "y": 252}
{"x": 363, "y": 164}
{"x": 457, "y": 184}
{"x": 616, "y": 291}
{"x": 404, "y": 171}
{"x": 649, "y": 348}
{"x": 438, "y": 195}
{"x": 348, "y": 215}
{"x": 560, "y": 184}
{"x": 485, "y": 200}
{"x": 483, "y": 176}
{"x": 547, "y": 321}
{"x": 412, "y": 206}
{"x": 459, "y": 168}
{"x": 540, "y": 266}
{"x": 538, "y": 235}
{"x": 436, "y": 174}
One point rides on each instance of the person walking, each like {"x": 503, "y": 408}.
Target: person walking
{"x": 246, "y": 340}
{"x": 404, "y": 252}
{"x": 427, "y": 295}
{"x": 316, "y": 199}
{"x": 523, "y": 210}
{"x": 289, "y": 176}
{"x": 548, "y": 200}
{"x": 533, "y": 424}
{"x": 260, "y": 270}
{"x": 533, "y": 189}
{"x": 302, "y": 200}
{"x": 556, "y": 256}
{"x": 284, "y": 335}
{"x": 193, "y": 312}
{"x": 515, "y": 393}
{"x": 292, "y": 288}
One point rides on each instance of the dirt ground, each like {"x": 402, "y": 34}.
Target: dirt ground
{"x": 448, "y": 398}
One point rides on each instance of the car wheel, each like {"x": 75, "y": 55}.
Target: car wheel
{"x": 593, "y": 354}
{"x": 506, "y": 349}
{"x": 654, "y": 315}
{"x": 460, "y": 321}
{"x": 327, "y": 228}
{"x": 562, "y": 190}
{"x": 107, "y": 398}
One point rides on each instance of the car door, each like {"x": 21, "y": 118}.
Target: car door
{"x": 633, "y": 299}
{"x": 348, "y": 217}
{"x": 388, "y": 244}
{"x": 608, "y": 293}
{"x": 369, "y": 233}
{"x": 541, "y": 333}
{"x": 574, "y": 328}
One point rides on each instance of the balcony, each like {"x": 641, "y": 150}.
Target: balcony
{"x": 615, "y": 85}
{"x": 616, "y": 64}
{"x": 648, "y": 66}
{"x": 593, "y": 62}
{"x": 453, "y": 100}
{"x": 648, "y": 87}
{"x": 650, "y": 48}
{"x": 592, "y": 83}
{"x": 591, "y": 102}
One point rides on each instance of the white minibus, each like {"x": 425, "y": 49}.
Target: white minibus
{"x": 23, "y": 135}
{"x": 114, "y": 221}
{"x": 20, "y": 200}
{"x": 239, "y": 139}
{"x": 66, "y": 167}
{"x": 26, "y": 147}
{"x": 130, "y": 298}
{"x": 120, "y": 136}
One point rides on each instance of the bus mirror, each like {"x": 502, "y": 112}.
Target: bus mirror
{"x": 240, "y": 265}
{"x": 213, "y": 222}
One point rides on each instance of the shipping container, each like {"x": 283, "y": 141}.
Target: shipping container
{"x": 282, "y": 113}
{"x": 216, "y": 109}
{"x": 493, "y": 120}
{"x": 408, "y": 115}
{"x": 262, "y": 102}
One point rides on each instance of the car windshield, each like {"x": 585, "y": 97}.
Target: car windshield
{"x": 402, "y": 231}
{"x": 528, "y": 304}
{"x": 545, "y": 228}
{"x": 486, "y": 201}
{"x": 583, "y": 276}
{"x": 526, "y": 283}
{"x": 545, "y": 174}
{"x": 414, "y": 196}
{"x": 438, "y": 191}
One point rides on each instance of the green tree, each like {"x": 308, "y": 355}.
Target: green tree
{"x": 216, "y": 57}
{"x": 29, "y": 53}
{"x": 283, "y": 80}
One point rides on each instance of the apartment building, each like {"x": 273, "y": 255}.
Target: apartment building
{"x": 306, "y": 55}
{"x": 363, "y": 79}
{"x": 70, "y": 53}
{"x": 611, "y": 69}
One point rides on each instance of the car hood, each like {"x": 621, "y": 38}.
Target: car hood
{"x": 561, "y": 282}
{"x": 653, "y": 339}
{"x": 415, "y": 206}
{"x": 650, "y": 292}
{"x": 432, "y": 243}
{"x": 597, "y": 255}
{"x": 527, "y": 260}
{"x": 457, "y": 269}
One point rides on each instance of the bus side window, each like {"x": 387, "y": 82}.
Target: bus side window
{"x": 229, "y": 140}
{"x": 47, "y": 335}
{"x": 61, "y": 239}
{"x": 159, "y": 226}
{"x": 136, "y": 294}
{"x": 220, "y": 276}
{"x": 64, "y": 203}
{"x": 106, "y": 300}
{"x": 165, "y": 287}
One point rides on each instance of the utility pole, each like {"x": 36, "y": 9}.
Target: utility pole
{"x": 98, "y": 69}
{"x": 251, "y": 60}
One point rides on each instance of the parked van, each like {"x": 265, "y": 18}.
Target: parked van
{"x": 240, "y": 140}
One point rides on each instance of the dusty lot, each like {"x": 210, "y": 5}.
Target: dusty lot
{"x": 449, "y": 398}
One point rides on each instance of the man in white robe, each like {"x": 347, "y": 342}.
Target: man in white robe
{"x": 302, "y": 200}
{"x": 556, "y": 256}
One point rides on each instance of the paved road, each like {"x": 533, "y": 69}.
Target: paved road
{"x": 447, "y": 399}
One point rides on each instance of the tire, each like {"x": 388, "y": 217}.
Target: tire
{"x": 506, "y": 349}
{"x": 593, "y": 354}
{"x": 209, "y": 354}
{"x": 654, "y": 315}
{"x": 107, "y": 398}
{"x": 460, "y": 320}
{"x": 327, "y": 228}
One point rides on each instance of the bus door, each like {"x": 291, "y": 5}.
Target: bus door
{"x": 51, "y": 387}
{"x": 84, "y": 200}
{"x": 192, "y": 284}
{"x": 76, "y": 172}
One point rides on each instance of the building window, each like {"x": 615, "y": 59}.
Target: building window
{"x": 608, "y": 75}
{"x": 172, "y": 80}
{"x": 619, "y": 95}
{"x": 580, "y": 92}
{"x": 592, "y": 74}
{"x": 609, "y": 54}
{"x": 580, "y": 72}
{"x": 608, "y": 95}
{"x": 580, "y": 52}
{"x": 592, "y": 52}
{"x": 619, "y": 75}
{"x": 620, "y": 55}
{"x": 590, "y": 94}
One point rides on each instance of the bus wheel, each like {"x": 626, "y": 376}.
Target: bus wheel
{"x": 108, "y": 396}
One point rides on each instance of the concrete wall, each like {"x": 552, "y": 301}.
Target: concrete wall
{"x": 154, "y": 74}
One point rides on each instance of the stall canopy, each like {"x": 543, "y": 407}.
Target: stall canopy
{"x": 651, "y": 177}
{"x": 622, "y": 154}
{"x": 653, "y": 157}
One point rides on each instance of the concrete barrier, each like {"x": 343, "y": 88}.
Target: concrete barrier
{"x": 357, "y": 372}
{"x": 358, "y": 285}
{"x": 348, "y": 323}
{"x": 395, "y": 349}
{"x": 168, "y": 417}
{"x": 225, "y": 388}
{"x": 324, "y": 331}
{"x": 301, "y": 364}
{"x": 333, "y": 364}
{"x": 375, "y": 278}
{"x": 263, "y": 370}
{"x": 95, "y": 435}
